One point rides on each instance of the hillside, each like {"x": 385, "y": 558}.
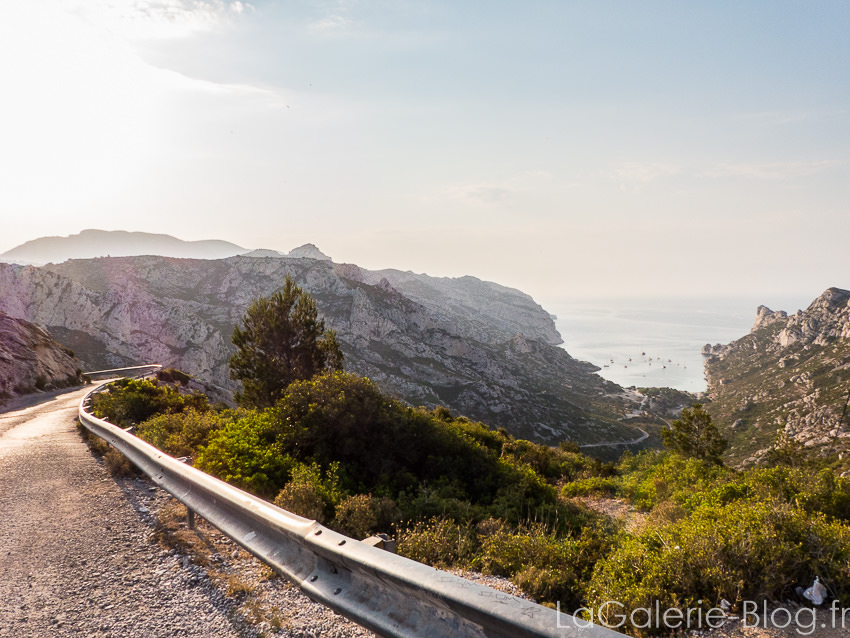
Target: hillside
{"x": 30, "y": 360}
{"x": 790, "y": 374}
{"x": 483, "y": 350}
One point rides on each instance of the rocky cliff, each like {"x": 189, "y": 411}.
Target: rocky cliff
{"x": 791, "y": 374}
{"x": 30, "y": 360}
{"x": 483, "y": 350}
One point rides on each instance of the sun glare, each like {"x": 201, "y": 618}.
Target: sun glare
{"x": 81, "y": 111}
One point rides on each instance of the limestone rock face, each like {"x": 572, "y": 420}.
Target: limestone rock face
{"x": 791, "y": 374}
{"x": 765, "y": 317}
{"x": 31, "y": 360}
{"x": 483, "y": 350}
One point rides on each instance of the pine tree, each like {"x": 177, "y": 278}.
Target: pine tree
{"x": 281, "y": 340}
{"x": 695, "y": 435}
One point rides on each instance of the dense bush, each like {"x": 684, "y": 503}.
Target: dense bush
{"x": 182, "y": 433}
{"x": 439, "y": 541}
{"x": 242, "y": 452}
{"x": 753, "y": 550}
{"x": 130, "y": 401}
{"x": 545, "y": 564}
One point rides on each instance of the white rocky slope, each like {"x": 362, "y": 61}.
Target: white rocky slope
{"x": 31, "y": 360}
{"x": 483, "y": 350}
{"x": 791, "y": 374}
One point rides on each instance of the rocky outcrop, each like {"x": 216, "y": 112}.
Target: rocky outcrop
{"x": 308, "y": 251}
{"x": 766, "y": 317}
{"x": 30, "y": 360}
{"x": 483, "y": 350}
{"x": 791, "y": 374}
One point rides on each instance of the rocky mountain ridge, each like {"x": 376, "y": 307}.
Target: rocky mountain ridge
{"x": 483, "y": 350}
{"x": 791, "y": 374}
{"x": 30, "y": 360}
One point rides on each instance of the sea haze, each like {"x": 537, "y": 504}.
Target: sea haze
{"x": 656, "y": 342}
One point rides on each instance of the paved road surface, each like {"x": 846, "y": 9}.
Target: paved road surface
{"x": 75, "y": 556}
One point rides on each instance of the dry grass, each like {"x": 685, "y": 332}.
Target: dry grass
{"x": 235, "y": 587}
{"x": 172, "y": 532}
{"x": 117, "y": 464}
{"x": 209, "y": 549}
{"x": 97, "y": 445}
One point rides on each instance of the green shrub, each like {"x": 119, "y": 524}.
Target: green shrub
{"x": 741, "y": 551}
{"x": 310, "y": 494}
{"x": 356, "y": 516}
{"x": 592, "y": 486}
{"x": 440, "y": 542}
{"x": 242, "y": 453}
{"x": 547, "y": 566}
{"x": 440, "y": 464}
{"x": 181, "y": 433}
{"x": 302, "y": 499}
{"x": 651, "y": 477}
{"x": 130, "y": 401}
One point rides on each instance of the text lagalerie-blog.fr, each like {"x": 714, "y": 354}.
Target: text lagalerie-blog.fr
{"x": 611, "y": 614}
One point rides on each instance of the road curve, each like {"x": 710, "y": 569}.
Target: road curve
{"x": 643, "y": 437}
{"x": 75, "y": 554}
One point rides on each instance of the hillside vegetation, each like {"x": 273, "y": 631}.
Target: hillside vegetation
{"x": 457, "y": 493}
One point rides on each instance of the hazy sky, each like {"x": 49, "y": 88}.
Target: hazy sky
{"x": 564, "y": 148}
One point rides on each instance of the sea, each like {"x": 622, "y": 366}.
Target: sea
{"x": 657, "y": 341}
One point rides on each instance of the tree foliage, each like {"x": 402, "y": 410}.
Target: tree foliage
{"x": 695, "y": 435}
{"x": 281, "y": 340}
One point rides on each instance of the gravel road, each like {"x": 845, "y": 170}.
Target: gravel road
{"x": 81, "y": 551}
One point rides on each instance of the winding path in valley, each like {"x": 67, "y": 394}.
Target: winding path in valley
{"x": 643, "y": 437}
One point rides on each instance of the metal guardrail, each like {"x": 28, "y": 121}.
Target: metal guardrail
{"x": 132, "y": 371}
{"x": 388, "y": 594}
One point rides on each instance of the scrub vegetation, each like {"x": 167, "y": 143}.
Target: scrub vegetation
{"x": 458, "y": 494}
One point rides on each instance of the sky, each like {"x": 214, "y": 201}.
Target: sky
{"x": 608, "y": 148}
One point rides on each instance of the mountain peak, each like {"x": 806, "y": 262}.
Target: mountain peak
{"x": 91, "y": 243}
{"x": 308, "y": 251}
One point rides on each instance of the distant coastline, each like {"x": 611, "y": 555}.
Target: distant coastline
{"x": 657, "y": 341}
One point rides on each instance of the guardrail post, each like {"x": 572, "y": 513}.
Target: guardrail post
{"x": 191, "y": 518}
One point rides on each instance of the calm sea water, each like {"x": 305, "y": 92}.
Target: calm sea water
{"x": 656, "y": 342}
